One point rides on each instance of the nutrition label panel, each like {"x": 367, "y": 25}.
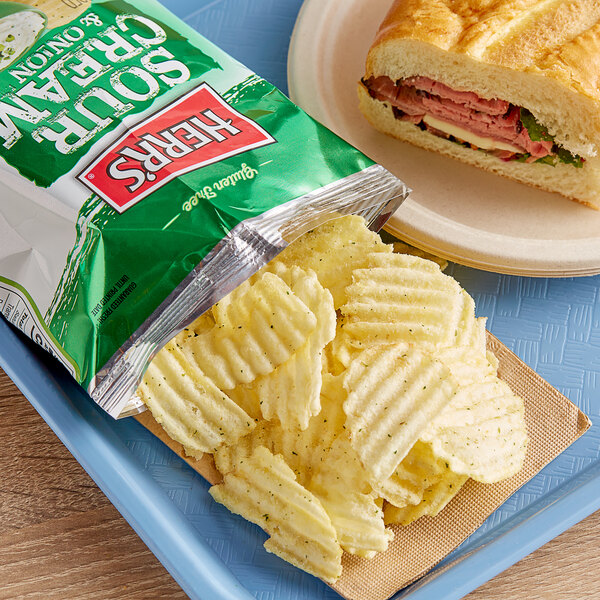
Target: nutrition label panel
{"x": 19, "y": 310}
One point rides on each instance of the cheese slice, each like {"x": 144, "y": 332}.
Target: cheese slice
{"x": 469, "y": 137}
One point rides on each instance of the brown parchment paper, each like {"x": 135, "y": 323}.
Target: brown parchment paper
{"x": 553, "y": 424}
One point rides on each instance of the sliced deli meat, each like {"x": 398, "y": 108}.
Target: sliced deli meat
{"x": 423, "y": 100}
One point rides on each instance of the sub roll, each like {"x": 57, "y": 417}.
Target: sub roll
{"x": 509, "y": 86}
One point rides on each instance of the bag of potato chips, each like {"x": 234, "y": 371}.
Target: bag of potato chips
{"x": 144, "y": 175}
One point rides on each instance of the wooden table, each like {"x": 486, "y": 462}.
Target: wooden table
{"x": 61, "y": 539}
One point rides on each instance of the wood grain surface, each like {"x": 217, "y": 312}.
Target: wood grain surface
{"x": 61, "y": 539}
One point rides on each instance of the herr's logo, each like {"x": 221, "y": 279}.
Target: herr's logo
{"x": 196, "y": 130}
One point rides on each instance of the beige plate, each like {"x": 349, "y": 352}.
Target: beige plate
{"x": 456, "y": 211}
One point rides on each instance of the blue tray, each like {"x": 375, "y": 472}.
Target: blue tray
{"x": 554, "y": 325}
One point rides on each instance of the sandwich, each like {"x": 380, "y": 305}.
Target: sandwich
{"x": 510, "y": 86}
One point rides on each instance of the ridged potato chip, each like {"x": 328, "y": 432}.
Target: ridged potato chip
{"x": 467, "y": 364}
{"x": 482, "y": 432}
{"x": 304, "y": 450}
{"x": 435, "y": 499}
{"x": 247, "y": 399}
{"x": 268, "y": 325}
{"x": 341, "y": 484}
{"x": 468, "y": 359}
{"x": 342, "y": 349}
{"x": 220, "y": 311}
{"x": 333, "y": 250}
{"x": 191, "y": 409}
{"x": 202, "y": 324}
{"x": 417, "y": 472}
{"x": 402, "y": 298}
{"x": 291, "y": 392}
{"x": 470, "y": 331}
{"x": 228, "y": 458}
{"x": 357, "y": 520}
{"x": 403, "y": 248}
{"x": 393, "y": 393}
{"x": 329, "y": 363}
{"x": 264, "y": 490}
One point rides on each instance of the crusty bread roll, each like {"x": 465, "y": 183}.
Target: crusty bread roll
{"x": 540, "y": 55}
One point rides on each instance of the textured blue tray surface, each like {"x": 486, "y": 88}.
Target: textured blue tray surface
{"x": 554, "y": 325}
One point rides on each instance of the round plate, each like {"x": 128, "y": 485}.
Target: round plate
{"x": 455, "y": 211}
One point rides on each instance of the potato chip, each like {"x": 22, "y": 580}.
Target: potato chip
{"x": 292, "y": 391}
{"x": 403, "y": 248}
{"x": 402, "y": 298}
{"x": 220, "y": 310}
{"x": 470, "y": 331}
{"x": 202, "y": 324}
{"x": 264, "y": 490}
{"x": 357, "y": 520}
{"x": 342, "y": 348}
{"x": 435, "y": 499}
{"x": 419, "y": 470}
{"x": 493, "y": 360}
{"x": 246, "y": 397}
{"x": 325, "y": 463}
{"x": 304, "y": 450}
{"x": 340, "y": 482}
{"x": 268, "y": 325}
{"x": 467, "y": 364}
{"x": 228, "y": 458}
{"x": 329, "y": 363}
{"x": 333, "y": 250}
{"x": 468, "y": 359}
{"x": 393, "y": 393}
{"x": 481, "y": 433}
{"x": 192, "y": 410}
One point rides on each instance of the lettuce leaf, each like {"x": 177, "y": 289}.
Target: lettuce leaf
{"x": 570, "y": 159}
{"x": 537, "y": 132}
{"x": 561, "y": 155}
{"x": 547, "y": 160}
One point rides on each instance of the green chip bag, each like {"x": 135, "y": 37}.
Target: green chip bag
{"x": 144, "y": 175}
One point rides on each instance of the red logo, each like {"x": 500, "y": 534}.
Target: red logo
{"x": 196, "y": 130}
